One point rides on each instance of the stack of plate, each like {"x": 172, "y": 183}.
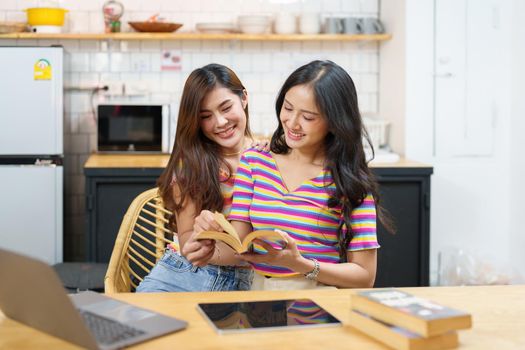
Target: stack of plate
{"x": 12, "y": 27}
{"x": 215, "y": 28}
{"x": 254, "y": 24}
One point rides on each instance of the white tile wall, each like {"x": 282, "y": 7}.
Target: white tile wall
{"x": 262, "y": 66}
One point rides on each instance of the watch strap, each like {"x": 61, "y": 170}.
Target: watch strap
{"x": 312, "y": 275}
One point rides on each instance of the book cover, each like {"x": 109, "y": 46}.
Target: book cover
{"x": 416, "y": 314}
{"x": 231, "y": 237}
{"x": 399, "y": 338}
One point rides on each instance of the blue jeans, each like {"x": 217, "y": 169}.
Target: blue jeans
{"x": 173, "y": 273}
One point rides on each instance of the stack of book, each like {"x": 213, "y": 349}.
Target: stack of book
{"x": 405, "y": 322}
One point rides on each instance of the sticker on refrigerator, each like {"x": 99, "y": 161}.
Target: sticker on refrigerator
{"x": 42, "y": 70}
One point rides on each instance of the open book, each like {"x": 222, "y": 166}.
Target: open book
{"x": 231, "y": 237}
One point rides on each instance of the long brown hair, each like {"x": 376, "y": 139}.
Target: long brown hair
{"x": 195, "y": 160}
{"x": 336, "y": 98}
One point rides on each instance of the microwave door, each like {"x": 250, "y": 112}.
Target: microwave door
{"x": 131, "y": 128}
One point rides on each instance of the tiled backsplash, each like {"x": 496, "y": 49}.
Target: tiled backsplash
{"x": 261, "y": 65}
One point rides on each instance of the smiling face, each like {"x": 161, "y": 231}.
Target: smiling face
{"x": 223, "y": 120}
{"x": 305, "y": 128}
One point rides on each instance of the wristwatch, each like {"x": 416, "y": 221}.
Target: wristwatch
{"x": 312, "y": 275}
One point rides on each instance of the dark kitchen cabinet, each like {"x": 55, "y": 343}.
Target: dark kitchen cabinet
{"x": 403, "y": 259}
{"x": 109, "y": 192}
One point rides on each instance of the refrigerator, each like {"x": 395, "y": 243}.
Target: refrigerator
{"x": 31, "y": 151}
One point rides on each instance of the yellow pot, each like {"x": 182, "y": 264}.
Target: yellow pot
{"x": 42, "y": 16}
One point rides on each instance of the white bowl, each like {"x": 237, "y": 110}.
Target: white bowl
{"x": 254, "y": 28}
{"x": 215, "y": 28}
{"x": 47, "y": 29}
{"x": 253, "y": 19}
{"x": 284, "y": 27}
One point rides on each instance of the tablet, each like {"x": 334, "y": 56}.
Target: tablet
{"x": 266, "y": 315}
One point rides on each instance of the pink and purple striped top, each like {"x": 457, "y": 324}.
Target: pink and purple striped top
{"x": 261, "y": 198}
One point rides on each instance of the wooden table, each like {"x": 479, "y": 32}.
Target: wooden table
{"x": 498, "y": 321}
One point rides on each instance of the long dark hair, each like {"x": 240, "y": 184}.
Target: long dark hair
{"x": 195, "y": 160}
{"x": 336, "y": 98}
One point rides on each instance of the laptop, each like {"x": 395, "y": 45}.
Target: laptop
{"x": 31, "y": 293}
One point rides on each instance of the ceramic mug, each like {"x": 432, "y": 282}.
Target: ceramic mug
{"x": 284, "y": 23}
{"x": 352, "y": 25}
{"x": 309, "y": 23}
{"x": 371, "y": 25}
{"x": 333, "y": 25}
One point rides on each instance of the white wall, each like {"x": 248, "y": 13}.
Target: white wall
{"x": 472, "y": 197}
{"x": 419, "y": 92}
{"x": 517, "y": 173}
{"x": 393, "y": 72}
{"x": 262, "y": 67}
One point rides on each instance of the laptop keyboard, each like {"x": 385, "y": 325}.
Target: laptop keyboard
{"x": 108, "y": 331}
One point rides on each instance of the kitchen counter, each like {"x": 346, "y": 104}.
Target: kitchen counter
{"x": 114, "y": 180}
{"x": 161, "y": 160}
{"x": 127, "y": 161}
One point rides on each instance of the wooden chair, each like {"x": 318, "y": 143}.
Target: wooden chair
{"x": 141, "y": 241}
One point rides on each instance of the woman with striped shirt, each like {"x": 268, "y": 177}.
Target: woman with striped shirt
{"x": 314, "y": 186}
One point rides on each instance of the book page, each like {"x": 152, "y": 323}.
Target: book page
{"x": 233, "y": 242}
{"x": 273, "y": 236}
{"x": 225, "y": 224}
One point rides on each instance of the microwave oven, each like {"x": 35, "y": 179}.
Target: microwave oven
{"x": 127, "y": 127}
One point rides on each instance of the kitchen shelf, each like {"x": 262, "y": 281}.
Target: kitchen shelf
{"x": 198, "y": 36}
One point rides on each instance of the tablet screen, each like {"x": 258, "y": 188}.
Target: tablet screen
{"x": 266, "y": 315}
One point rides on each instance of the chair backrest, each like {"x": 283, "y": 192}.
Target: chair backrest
{"x": 141, "y": 241}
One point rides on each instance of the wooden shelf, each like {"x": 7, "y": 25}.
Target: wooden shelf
{"x": 197, "y": 36}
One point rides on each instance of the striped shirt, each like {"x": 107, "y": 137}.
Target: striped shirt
{"x": 261, "y": 198}
{"x": 226, "y": 184}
